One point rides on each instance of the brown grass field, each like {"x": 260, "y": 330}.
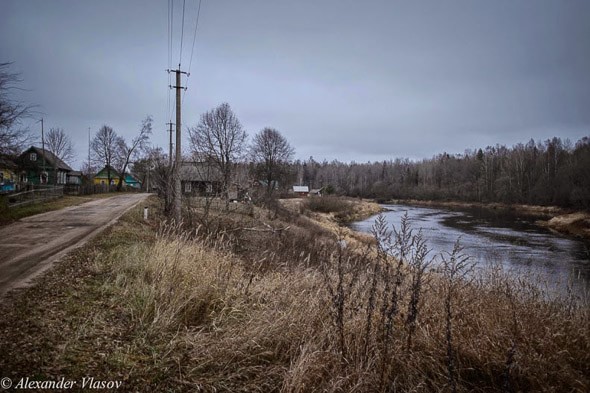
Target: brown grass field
{"x": 265, "y": 300}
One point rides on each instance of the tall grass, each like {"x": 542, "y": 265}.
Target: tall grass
{"x": 294, "y": 314}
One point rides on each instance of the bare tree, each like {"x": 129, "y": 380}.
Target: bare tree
{"x": 126, "y": 153}
{"x": 60, "y": 144}
{"x": 151, "y": 168}
{"x": 12, "y": 137}
{"x": 272, "y": 153}
{"x": 104, "y": 149}
{"x": 220, "y": 139}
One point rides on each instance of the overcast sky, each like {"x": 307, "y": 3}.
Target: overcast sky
{"x": 347, "y": 80}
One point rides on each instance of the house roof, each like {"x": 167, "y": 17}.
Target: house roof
{"x": 129, "y": 178}
{"x": 102, "y": 174}
{"x": 199, "y": 171}
{"x": 50, "y": 158}
{"x": 300, "y": 189}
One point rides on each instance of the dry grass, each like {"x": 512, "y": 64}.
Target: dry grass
{"x": 344, "y": 210}
{"x": 577, "y": 224}
{"x": 171, "y": 309}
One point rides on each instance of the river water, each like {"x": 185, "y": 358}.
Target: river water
{"x": 515, "y": 243}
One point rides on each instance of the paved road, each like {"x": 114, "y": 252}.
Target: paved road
{"x": 30, "y": 246}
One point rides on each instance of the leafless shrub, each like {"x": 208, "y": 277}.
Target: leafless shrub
{"x": 326, "y": 204}
{"x": 456, "y": 267}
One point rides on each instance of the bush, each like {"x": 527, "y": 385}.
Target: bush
{"x": 327, "y": 204}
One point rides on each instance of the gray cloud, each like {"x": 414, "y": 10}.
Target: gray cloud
{"x": 341, "y": 79}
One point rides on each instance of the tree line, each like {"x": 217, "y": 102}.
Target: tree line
{"x": 550, "y": 172}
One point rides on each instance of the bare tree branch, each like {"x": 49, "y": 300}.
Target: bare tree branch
{"x": 12, "y": 138}
{"x": 220, "y": 139}
{"x": 60, "y": 144}
{"x": 271, "y": 151}
{"x": 104, "y": 149}
{"x": 126, "y": 153}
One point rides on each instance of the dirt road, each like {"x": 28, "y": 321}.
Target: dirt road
{"x": 29, "y": 246}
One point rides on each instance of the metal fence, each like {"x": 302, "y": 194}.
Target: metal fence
{"x": 35, "y": 195}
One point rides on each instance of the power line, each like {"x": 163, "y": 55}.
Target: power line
{"x": 193, "y": 47}
{"x": 181, "y": 34}
{"x": 170, "y": 33}
{"x": 194, "y": 36}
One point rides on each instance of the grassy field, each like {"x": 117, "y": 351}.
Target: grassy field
{"x": 268, "y": 300}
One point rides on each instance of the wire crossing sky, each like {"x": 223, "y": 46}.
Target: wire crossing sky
{"x": 345, "y": 80}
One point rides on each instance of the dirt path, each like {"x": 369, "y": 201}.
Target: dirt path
{"x": 31, "y": 245}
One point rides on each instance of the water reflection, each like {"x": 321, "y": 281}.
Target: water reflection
{"x": 515, "y": 243}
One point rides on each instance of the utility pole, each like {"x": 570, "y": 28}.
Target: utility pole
{"x": 178, "y": 158}
{"x": 170, "y": 154}
{"x": 88, "y": 150}
{"x": 43, "y": 148}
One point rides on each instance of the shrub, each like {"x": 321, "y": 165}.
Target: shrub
{"x": 327, "y": 204}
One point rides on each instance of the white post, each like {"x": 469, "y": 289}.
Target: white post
{"x": 145, "y": 213}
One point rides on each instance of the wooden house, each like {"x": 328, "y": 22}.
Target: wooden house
{"x": 107, "y": 176}
{"x": 200, "y": 178}
{"x": 132, "y": 181}
{"x": 106, "y": 173}
{"x": 38, "y": 166}
{"x": 8, "y": 175}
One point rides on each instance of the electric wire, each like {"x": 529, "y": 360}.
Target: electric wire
{"x": 193, "y": 48}
{"x": 181, "y": 34}
{"x": 194, "y": 37}
{"x": 170, "y": 34}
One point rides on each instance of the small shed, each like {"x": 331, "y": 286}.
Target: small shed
{"x": 74, "y": 177}
{"x": 301, "y": 191}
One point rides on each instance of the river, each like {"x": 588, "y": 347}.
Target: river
{"x": 515, "y": 243}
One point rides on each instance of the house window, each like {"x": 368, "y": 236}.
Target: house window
{"x": 33, "y": 157}
{"x": 187, "y": 187}
{"x": 209, "y": 188}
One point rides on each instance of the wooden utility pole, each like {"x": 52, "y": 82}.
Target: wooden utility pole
{"x": 43, "y": 148}
{"x": 88, "y": 150}
{"x": 178, "y": 156}
{"x": 170, "y": 154}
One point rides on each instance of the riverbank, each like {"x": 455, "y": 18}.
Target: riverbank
{"x": 335, "y": 213}
{"x": 576, "y": 224}
{"x": 260, "y": 299}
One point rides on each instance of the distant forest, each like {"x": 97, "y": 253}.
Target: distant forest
{"x": 553, "y": 172}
